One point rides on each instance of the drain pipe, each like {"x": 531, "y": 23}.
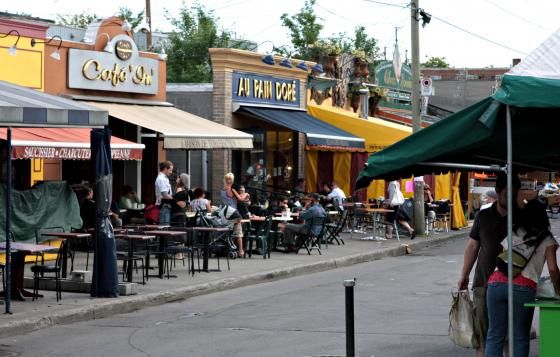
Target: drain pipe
{"x": 364, "y": 102}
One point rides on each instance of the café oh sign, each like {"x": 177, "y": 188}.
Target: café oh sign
{"x": 253, "y": 88}
{"x": 121, "y": 71}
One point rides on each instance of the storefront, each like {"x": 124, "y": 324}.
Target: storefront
{"x": 269, "y": 102}
{"x": 110, "y": 73}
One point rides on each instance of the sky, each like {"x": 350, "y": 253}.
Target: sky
{"x": 474, "y": 33}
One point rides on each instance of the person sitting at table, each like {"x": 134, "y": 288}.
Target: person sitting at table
{"x": 200, "y": 203}
{"x": 129, "y": 200}
{"x": 336, "y": 196}
{"x": 395, "y": 201}
{"x": 180, "y": 200}
{"x": 299, "y": 188}
{"x": 428, "y": 202}
{"x": 87, "y": 208}
{"x": 311, "y": 210}
{"x": 278, "y": 206}
{"x": 115, "y": 214}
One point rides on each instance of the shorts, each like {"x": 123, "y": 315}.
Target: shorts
{"x": 480, "y": 313}
{"x": 237, "y": 230}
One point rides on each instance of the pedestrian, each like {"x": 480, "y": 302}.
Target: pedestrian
{"x": 395, "y": 201}
{"x": 483, "y": 247}
{"x": 490, "y": 197}
{"x": 311, "y": 210}
{"x": 532, "y": 236}
{"x": 229, "y": 198}
{"x": 164, "y": 197}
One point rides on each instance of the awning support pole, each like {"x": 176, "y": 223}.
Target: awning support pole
{"x": 8, "y": 292}
{"x": 509, "y": 230}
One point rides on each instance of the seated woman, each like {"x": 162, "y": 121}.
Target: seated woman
{"x": 200, "y": 203}
{"x": 395, "y": 202}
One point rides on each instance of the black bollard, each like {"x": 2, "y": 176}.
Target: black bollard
{"x": 349, "y": 289}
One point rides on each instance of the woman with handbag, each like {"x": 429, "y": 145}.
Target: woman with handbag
{"x": 532, "y": 245}
{"x": 396, "y": 200}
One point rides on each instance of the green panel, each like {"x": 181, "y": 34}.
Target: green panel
{"x": 550, "y": 325}
{"x": 525, "y": 91}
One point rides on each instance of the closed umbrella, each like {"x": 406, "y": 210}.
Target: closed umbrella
{"x": 105, "y": 277}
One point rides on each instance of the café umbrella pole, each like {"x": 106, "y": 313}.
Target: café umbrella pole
{"x": 509, "y": 230}
{"x": 105, "y": 274}
{"x": 8, "y": 291}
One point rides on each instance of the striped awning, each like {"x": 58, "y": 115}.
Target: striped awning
{"x": 20, "y": 106}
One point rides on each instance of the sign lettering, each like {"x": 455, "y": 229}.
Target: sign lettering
{"x": 252, "y": 88}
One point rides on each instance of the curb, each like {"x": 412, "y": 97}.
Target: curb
{"x": 111, "y": 307}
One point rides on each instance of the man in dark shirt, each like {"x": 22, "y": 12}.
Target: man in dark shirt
{"x": 484, "y": 245}
{"x": 312, "y": 210}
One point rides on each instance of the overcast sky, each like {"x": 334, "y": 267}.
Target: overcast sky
{"x": 515, "y": 27}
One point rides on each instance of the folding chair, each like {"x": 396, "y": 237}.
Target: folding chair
{"x": 309, "y": 240}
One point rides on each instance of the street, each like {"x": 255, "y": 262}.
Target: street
{"x": 401, "y": 309}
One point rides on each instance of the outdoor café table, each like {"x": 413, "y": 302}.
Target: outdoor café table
{"x": 163, "y": 235}
{"x": 153, "y": 227}
{"x": 292, "y": 214}
{"x": 206, "y": 237}
{"x": 132, "y": 239}
{"x": 66, "y": 235}
{"x": 376, "y": 212}
{"x": 19, "y": 251}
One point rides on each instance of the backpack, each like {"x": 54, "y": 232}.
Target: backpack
{"x": 521, "y": 252}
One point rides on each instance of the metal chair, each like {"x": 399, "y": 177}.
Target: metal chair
{"x": 333, "y": 230}
{"x": 39, "y": 240}
{"x": 39, "y": 272}
{"x": 443, "y": 216}
{"x": 262, "y": 234}
{"x": 309, "y": 240}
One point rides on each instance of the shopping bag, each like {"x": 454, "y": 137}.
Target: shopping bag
{"x": 461, "y": 320}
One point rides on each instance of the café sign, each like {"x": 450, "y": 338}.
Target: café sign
{"x": 121, "y": 71}
{"x": 253, "y": 88}
{"x": 386, "y": 78}
{"x": 70, "y": 153}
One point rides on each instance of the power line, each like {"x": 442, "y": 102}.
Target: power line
{"x": 478, "y": 36}
{"x": 515, "y": 15}
{"x": 387, "y": 4}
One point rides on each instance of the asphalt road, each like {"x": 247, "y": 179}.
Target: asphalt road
{"x": 401, "y": 309}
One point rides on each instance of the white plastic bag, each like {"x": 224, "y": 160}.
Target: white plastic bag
{"x": 461, "y": 322}
{"x": 545, "y": 289}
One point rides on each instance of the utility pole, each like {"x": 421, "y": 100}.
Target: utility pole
{"x": 419, "y": 220}
{"x": 149, "y": 21}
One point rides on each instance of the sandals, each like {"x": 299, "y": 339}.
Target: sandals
{"x": 412, "y": 235}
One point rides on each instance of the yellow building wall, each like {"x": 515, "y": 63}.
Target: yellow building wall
{"x": 27, "y": 67}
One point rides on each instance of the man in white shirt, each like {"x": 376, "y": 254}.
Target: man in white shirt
{"x": 336, "y": 195}
{"x": 164, "y": 197}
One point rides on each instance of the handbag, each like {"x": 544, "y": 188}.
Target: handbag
{"x": 521, "y": 252}
{"x": 152, "y": 214}
{"x": 461, "y": 321}
{"x": 398, "y": 199}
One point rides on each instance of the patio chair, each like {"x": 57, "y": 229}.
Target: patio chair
{"x": 333, "y": 230}
{"x": 122, "y": 255}
{"x": 310, "y": 241}
{"x": 261, "y": 234}
{"x": 443, "y": 216}
{"x": 39, "y": 272}
{"x": 39, "y": 239}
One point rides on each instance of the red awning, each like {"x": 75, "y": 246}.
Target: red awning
{"x": 64, "y": 144}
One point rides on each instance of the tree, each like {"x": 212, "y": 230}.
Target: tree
{"x": 125, "y": 13}
{"x": 196, "y": 30}
{"x": 304, "y": 29}
{"x": 436, "y": 62}
{"x": 362, "y": 42}
{"x": 77, "y": 20}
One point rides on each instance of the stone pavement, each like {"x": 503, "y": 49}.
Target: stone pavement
{"x": 32, "y": 315}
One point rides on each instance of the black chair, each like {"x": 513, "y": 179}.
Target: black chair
{"x": 84, "y": 245}
{"x": 123, "y": 255}
{"x": 261, "y": 234}
{"x": 39, "y": 272}
{"x": 182, "y": 247}
{"x": 39, "y": 240}
{"x": 333, "y": 230}
{"x": 309, "y": 240}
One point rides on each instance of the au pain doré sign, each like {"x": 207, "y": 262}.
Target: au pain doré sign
{"x": 253, "y": 88}
{"x": 121, "y": 71}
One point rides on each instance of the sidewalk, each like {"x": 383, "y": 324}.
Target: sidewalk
{"x": 33, "y": 315}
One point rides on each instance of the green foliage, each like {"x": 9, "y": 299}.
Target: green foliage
{"x": 125, "y": 13}
{"x": 304, "y": 29}
{"x": 77, "y": 20}
{"x": 196, "y": 30}
{"x": 436, "y": 62}
{"x": 365, "y": 44}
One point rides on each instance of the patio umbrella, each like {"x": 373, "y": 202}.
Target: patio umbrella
{"x": 516, "y": 127}
{"x": 105, "y": 277}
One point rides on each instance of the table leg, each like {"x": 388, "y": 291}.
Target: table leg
{"x": 65, "y": 261}
{"x": 130, "y": 255}
{"x": 18, "y": 266}
{"x": 206, "y": 252}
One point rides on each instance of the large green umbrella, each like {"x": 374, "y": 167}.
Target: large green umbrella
{"x": 517, "y": 126}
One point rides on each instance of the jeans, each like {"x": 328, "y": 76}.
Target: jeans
{"x": 165, "y": 214}
{"x": 497, "y": 301}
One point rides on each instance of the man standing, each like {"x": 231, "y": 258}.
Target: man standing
{"x": 164, "y": 197}
{"x": 488, "y": 230}
{"x": 311, "y": 210}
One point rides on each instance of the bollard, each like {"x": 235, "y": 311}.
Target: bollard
{"x": 349, "y": 290}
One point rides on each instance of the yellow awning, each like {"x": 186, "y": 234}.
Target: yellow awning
{"x": 180, "y": 129}
{"x": 377, "y": 133}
